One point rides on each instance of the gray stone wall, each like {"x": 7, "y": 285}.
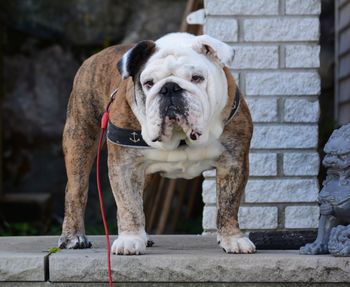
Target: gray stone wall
{"x": 277, "y": 56}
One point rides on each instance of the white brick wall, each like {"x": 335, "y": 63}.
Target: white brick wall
{"x": 263, "y": 164}
{"x": 239, "y": 7}
{"x": 302, "y": 56}
{"x": 302, "y": 164}
{"x": 281, "y": 29}
{"x": 259, "y": 217}
{"x": 301, "y": 110}
{"x": 284, "y": 136}
{"x": 255, "y": 57}
{"x": 300, "y": 7}
{"x": 301, "y": 216}
{"x": 281, "y": 190}
{"x": 263, "y": 110}
{"x": 209, "y": 218}
{"x": 209, "y": 191}
{"x": 276, "y": 62}
{"x": 224, "y": 29}
{"x": 282, "y": 82}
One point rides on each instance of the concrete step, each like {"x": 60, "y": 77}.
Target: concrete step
{"x": 195, "y": 259}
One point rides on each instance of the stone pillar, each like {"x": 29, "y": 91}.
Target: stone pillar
{"x": 277, "y": 56}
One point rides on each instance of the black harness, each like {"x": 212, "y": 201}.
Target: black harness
{"x": 133, "y": 138}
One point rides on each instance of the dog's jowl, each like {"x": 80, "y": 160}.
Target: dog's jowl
{"x": 178, "y": 112}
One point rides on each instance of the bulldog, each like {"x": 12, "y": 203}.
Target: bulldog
{"x": 177, "y": 111}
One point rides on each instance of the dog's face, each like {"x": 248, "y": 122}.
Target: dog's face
{"x": 180, "y": 88}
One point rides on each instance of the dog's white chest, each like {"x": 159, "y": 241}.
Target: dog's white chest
{"x": 184, "y": 162}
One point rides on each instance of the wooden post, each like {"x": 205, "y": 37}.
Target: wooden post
{"x": 192, "y": 5}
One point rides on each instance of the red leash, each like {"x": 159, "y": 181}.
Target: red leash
{"x": 104, "y": 123}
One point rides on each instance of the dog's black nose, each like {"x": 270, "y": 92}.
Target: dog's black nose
{"x": 170, "y": 89}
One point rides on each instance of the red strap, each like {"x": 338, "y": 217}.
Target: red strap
{"x": 104, "y": 120}
{"x": 104, "y": 123}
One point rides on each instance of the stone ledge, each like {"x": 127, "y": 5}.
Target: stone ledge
{"x": 193, "y": 259}
{"x": 24, "y": 258}
{"x": 170, "y": 284}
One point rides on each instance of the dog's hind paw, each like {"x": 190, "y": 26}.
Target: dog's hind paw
{"x": 236, "y": 244}
{"x": 79, "y": 241}
{"x": 129, "y": 244}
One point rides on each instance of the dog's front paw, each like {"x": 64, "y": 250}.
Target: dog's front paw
{"x": 236, "y": 244}
{"x": 129, "y": 244}
{"x": 79, "y": 241}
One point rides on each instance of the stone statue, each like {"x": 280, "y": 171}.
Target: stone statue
{"x": 334, "y": 198}
{"x": 339, "y": 241}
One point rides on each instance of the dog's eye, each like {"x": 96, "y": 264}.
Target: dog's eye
{"x": 197, "y": 79}
{"x": 148, "y": 84}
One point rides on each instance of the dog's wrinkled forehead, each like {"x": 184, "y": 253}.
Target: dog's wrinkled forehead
{"x": 135, "y": 58}
{"x": 168, "y": 62}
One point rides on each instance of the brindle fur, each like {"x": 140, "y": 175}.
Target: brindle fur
{"x": 90, "y": 94}
{"x": 233, "y": 166}
{"x": 94, "y": 82}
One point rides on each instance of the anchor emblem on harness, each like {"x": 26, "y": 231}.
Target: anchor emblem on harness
{"x": 134, "y": 138}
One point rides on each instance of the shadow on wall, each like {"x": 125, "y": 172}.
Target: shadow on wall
{"x": 327, "y": 122}
{"x": 44, "y": 43}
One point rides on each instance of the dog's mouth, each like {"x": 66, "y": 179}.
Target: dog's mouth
{"x": 172, "y": 113}
{"x": 174, "y": 116}
{"x": 175, "y": 123}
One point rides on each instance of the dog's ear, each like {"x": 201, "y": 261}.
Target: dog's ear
{"x": 135, "y": 57}
{"x": 214, "y": 49}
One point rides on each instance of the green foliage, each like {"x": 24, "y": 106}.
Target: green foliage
{"x": 97, "y": 228}
{"x": 20, "y": 229}
{"x": 189, "y": 226}
{"x": 30, "y": 229}
{"x": 54, "y": 250}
